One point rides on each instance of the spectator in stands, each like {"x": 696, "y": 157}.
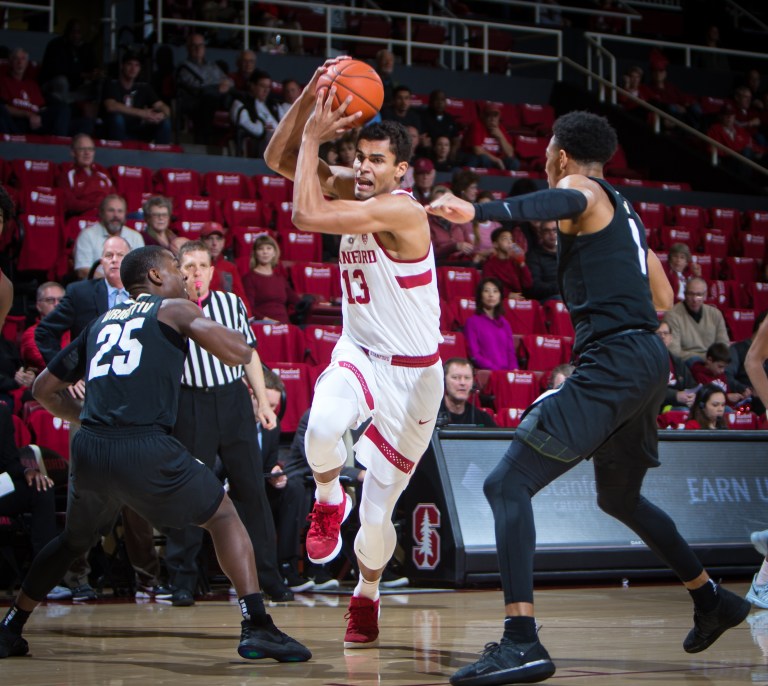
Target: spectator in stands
{"x": 15, "y": 378}
{"x": 69, "y": 74}
{"x": 457, "y": 406}
{"x": 400, "y": 110}
{"x": 708, "y": 409}
{"x": 203, "y": 88}
{"x": 736, "y": 372}
{"x": 423, "y": 179}
{"x": 681, "y": 387}
{"x": 286, "y": 491}
{"x": 633, "y": 82}
{"x": 255, "y": 115}
{"x": 709, "y": 60}
{"x": 483, "y": 231}
{"x": 442, "y": 155}
{"x": 245, "y": 64}
{"x": 385, "y": 68}
{"x": 746, "y": 115}
{"x": 32, "y": 491}
{"x": 290, "y": 94}
{"x": 542, "y": 263}
{"x": 436, "y": 122}
{"x": 490, "y": 342}
{"x": 90, "y": 242}
{"x": 486, "y": 144}
{"x": 23, "y": 109}
{"x": 49, "y": 295}
{"x": 694, "y": 325}
{"x": 508, "y": 265}
{"x": 346, "y": 148}
{"x": 559, "y": 374}
{"x": 157, "y": 214}
{"x": 132, "y": 109}
{"x": 86, "y": 183}
{"x": 681, "y": 268}
{"x": 753, "y": 81}
{"x": 712, "y": 371}
{"x": 735, "y": 138}
{"x": 669, "y": 98}
{"x": 226, "y": 276}
{"x": 452, "y": 243}
{"x": 267, "y": 289}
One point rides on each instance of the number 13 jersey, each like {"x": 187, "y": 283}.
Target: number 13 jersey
{"x": 389, "y": 306}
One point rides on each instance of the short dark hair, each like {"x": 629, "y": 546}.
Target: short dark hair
{"x": 498, "y": 311}
{"x": 461, "y": 361}
{"x": 257, "y": 75}
{"x": 137, "y": 263}
{"x": 400, "y": 89}
{"x": 395, "y": 132}
{"x": 496, "y": 233}
{"x": 585, "y": 136}
{"x": 719, "y": 352}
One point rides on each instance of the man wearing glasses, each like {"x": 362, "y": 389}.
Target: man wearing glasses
{"x": 49, "y": 294}
{"x": 85, "y": 183}
{"x": 695, "y": 325}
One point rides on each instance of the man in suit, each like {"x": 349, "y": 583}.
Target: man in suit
{"x": 81, "y": 304}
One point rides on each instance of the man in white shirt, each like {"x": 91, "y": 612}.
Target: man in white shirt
{"x": 90, "y": 242}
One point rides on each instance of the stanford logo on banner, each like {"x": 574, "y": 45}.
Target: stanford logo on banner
{"x": 424, "y": 525}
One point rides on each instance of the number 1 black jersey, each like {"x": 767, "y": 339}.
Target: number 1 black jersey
{"x": 132, "y": 366}
{"x": 604, "y": 276}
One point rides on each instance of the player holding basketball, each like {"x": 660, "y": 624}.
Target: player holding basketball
{"x": 606, "y": 410}
{"x": 386, "y": 364}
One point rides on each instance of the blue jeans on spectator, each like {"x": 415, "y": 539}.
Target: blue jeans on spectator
{"x": 120, "y": 128}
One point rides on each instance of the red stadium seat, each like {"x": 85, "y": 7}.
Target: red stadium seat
{"x": 715, "y": 244}
{"x": 740, "y": 322}
{"x": 298, "y": 392}
{"x": 531, "y": 151}
{"x": 537, "y": 118}
{"x": 756, "y": 222}
{"x": 759, "y": 293}
{"x": 49, "y": 431}
{"x": 742, "y": 269}
{"x": 32, "y": 173}
{"x": 242, "y": 212}
{"x": 652, "y": 214}
{"x": 512, "y": 388}
{"x": 21, "y": 433}
{"x": 463, "y": 110}
{"x": 41, "y": 244}
{"x": 462, "y": 309}
{"x": 321, "y": 340}
{"x": 556, "y": 313}
{"x": 177, "y": 182}
{"x": 316, "y": 278}
{"x": 195, "y": 208}
{"x": 279, "y": 342}
{"x": 457, "y": 282}
{"x": 273, "y": 190}
{"x": 188, "y": 229}
{"x": 227, "y": 185}
{"x": 706, "y": 263}
{"x": 282, "y": 215}
{"x": 13, "y": 327}
{"x": 723, "y": 294}
{"x": 545, "y": 352}
{"x": 131, "y": 178}
{"x": 741, "y": 422}
{"x": 524, "y": 316}
{"x": 510, "y": 118}
{"x": 301, "y": 246}
{"x": 509, "y": 417}
{"x": 453, "y": 345}
{"x": 690, "y": 216}
{"x": 42, "y": 202}
{"x": 726, "y": 219}
{"x": 669, "y": 235}
{"x": 753, "y": 245}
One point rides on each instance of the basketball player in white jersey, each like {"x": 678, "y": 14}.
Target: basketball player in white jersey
{"x": 386, "y": 364}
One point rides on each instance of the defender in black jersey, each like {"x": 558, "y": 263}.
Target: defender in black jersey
{"x": 131, "y": 358}
{"x": 612, "y": 284}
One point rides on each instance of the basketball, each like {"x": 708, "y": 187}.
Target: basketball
{"x": 358, "y": 79}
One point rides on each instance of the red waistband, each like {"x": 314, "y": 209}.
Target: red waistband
{"x": 404, "y": 360}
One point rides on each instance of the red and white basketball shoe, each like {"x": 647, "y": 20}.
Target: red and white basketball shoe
{"x": 362, "y": 623}
{"x": 324, "y": 535}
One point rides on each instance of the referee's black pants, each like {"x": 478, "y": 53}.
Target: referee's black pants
{"x": 219, "y": 421}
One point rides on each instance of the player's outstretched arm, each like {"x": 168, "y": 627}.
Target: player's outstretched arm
{"x": 282, "y": 151}
{"x": 661, "y": 289}
{"x": 226, "y": 344}
{"x": 754, "y": 364}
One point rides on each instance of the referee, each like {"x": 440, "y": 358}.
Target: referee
{"x": 215, "y": 417}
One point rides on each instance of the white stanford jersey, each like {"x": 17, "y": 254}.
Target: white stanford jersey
{"x": 390, "y": 306}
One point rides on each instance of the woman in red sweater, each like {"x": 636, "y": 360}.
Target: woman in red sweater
{"x": 269, "y": 292}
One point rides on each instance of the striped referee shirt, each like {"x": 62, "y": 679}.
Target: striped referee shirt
{"x": 204, "y": 370}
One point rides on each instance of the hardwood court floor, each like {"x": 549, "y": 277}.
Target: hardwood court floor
{"x": 608, "y": 636}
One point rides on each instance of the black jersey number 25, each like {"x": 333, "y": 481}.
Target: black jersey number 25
{"x": 126, "y": 358}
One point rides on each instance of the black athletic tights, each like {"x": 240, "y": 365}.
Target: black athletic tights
{"x": 523, "y": 472}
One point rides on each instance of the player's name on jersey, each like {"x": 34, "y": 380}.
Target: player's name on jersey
{"x": 357, "y": 256}
{"x": 136, "y": 308}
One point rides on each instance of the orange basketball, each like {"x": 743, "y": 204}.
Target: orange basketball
{"x": 358, "y": 79}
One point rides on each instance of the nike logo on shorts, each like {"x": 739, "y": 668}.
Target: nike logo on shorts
{"x": 424, "y": 421}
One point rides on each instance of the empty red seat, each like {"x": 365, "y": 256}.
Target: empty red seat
{"x": 531, "y": 151}
{"x": 509, "y": 417}
{"x": 669, "y": 235}
{"x": 723, "y": 294}
{"x": 273, "y": 190}
{"x": 740, "y": 322}
{"x": 41, "y": 242}
{"x": 195, "y": 208}
{"x": 177, "y": 182}
{"x": 742, "y": 269}
{"x": 298, "y": 392}
{"x": 131, "y": 178}
{"x": 316, "y": 278}
{"x": 753, "y": 245}
{"x": 757, "y": 222}
{"x": 559, "y": 318}
{"x": 538, "y": 118}
{"x": 321, "y": 340}
{"x": 741, "y": 422}
{"x": 188, "y": 229}
{"x": 282, "y": 216}
{"x": 453, "y": 345}
{"x": 457, "y": 282}
{"x": 32, "y": 173}
{"x": 652, "y": 214}
{"x": 463, "y": 110}
{"x": 41, "y": 201}
{"x": 462, "y": 309}
{"x": 242, "y": 212}
{"x": 706, "y": 263}
{"x": 690, "y": 216}
{"x": 715, "y": 244}
{"x": 545, "y": 352}
{"x": 49, "y": 431}
{"x": 524, "y": 316}
{"x": 301, "y": 246}
{"x": 759, "y": 293}
{"x": 726, "y": 219}
{"x": 279, "y": 342}
{"x": 227, "y": 185}
{"x": 512, "y": 388}
{"x": 510, "y": 118}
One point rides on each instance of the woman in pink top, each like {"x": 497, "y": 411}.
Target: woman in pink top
{"x": 490, "y": 342}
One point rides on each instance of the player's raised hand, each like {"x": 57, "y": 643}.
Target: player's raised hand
{"x": 326, "y": 123}
{"x": 452, "y": 208}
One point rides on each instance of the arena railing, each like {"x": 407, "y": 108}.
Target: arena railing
{"x": 43, "y": 6}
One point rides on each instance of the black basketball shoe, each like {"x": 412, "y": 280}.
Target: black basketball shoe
{"x": 709, "y": 626}
{"x": 262, "y": 639}
{"x": 507, "y": 662}
{"x": 12, "y": 645}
